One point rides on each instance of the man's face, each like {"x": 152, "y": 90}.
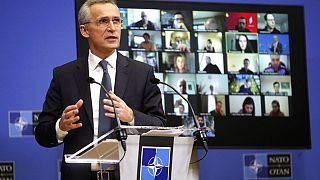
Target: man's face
{"x": 275, "y": 61}
{"x": 246, "y": 64}
{"x": 211, "y": 24}
{"x": 144, "y": 16}
{"x": 275, "y": 38}
{"x": 103, "y": 38}
{"x": 178, "y": 19}
{"x": 200, "y": 121}
{"x": 208, "y": 60}
{"x": 271, "y": 23}
{"x": 276, "y": 88}
{"x": 242, "y": 23}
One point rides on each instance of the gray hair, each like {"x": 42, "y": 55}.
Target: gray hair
{"x": 84, "y": 12}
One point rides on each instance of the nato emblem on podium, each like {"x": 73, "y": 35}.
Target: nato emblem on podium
{"x": 155, "y": 163}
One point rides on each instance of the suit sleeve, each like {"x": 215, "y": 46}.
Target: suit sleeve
{"x": 151, "y": 113}
{"x": 45, "y": 132}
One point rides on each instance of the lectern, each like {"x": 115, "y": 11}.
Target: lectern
{"x": 152, "y": 152}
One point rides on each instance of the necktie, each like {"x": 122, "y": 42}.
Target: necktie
{"x": 104, "y": 122}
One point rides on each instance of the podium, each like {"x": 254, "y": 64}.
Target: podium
{"x": 152, "y": 152}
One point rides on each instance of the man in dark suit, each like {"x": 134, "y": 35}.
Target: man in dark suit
{"x": 276, "y": 46}
{"x": 71, "y": 109}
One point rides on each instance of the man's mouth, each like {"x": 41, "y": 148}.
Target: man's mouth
{"x": 111, "y": 37}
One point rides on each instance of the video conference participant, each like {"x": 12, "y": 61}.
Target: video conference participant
{"x": 147, "y": 44}
{"x": 211, "y": 24}
{"x": 276, "y": 112}
{"x": 209, "y": 47}
{"x": 178, "y": 21}
{"x": 270, "y": 25}
{"x": 71, "y": 109}
{"x": 144, "y": 22}
{"x": 218, "y": 111}
{"x": 248, "y": 107}
{"x": 246, "y": 87}
{"x": 211, "y": 68}
{"x": 244, "y": 44}
{"x": 245, "y": 69}
{"x": 202, "y": 124}
{"x": 276, "y": 66}
{"x": 242, "y": 25}
{"x": 276, "y": 46}
{"x": 180, "y": 64}
{"x": 178, "y": 43}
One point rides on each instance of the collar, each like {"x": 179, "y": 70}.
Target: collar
{"x": 94, "y": 60}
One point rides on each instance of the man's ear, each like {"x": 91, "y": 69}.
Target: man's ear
{"x": 84, "y": 32}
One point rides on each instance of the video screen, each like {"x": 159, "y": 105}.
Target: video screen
{"x": 211, "y": 63}
{"x": 150, "y": 58}
{"x": 272, "y": 23}
{"x": 274, "y": 44}
{"x": 241, "y": 22}
{"x": 177, "y": 41}
{"x": 211, "y": 84}
{"x": 176, "y": 20}
{"x": 210, "y": 42}
{"x": 276, "y": 85}
{"x": 241, "y": 67}
{"x": 274, "y": 64}
{"x": 245, "y": 105}
{"x": 214, "y": 105}
{"x": 243, "y": 63}
{"x": 178, "y": 62}
{"x": 276, "y": 106}
{"x": 242, "y": 42}
{"x": 209, "y": 21}
{"x": 244, "y": 84}
{"x": 144, "y": 40}
{"x": 146, "y": 19}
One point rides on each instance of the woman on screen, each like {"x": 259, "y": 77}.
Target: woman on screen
{"x": 248, "y": 107}
{"x": 243, "y": 44}
{"x": 180, "y": 64}
{"x": 276, "y": 112}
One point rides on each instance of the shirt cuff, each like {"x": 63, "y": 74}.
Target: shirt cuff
{"x": 59, "y": 133}
{"x": 131, "y": 123}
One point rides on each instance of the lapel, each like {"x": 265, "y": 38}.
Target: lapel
{"x": 121, "y": 75}
{"x": 81, "y": 74}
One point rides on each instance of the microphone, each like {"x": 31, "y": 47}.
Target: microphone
{"x": 200, "y": 134}
{"x": 121, "y": 134}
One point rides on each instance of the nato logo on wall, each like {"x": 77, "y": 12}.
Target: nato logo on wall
{"x": 264, "y": 166}
{"x": 7, "y": 170}
{"x": 155, "y": 163}
{"x": 22, "y": 123}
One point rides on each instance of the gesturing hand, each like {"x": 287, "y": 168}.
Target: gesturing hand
{"x": 125, "y": 113}
{"x": 69, "y": 117}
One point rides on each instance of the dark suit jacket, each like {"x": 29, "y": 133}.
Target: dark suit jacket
{"x": 278, "y": 49}
{"x": 69, "y": 84}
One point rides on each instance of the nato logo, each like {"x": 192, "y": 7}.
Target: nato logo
{"x": 7, "y": 170}
{"x": 155, "y": 163}
{"x": 262, "y": 166}
{"x": 22, "y": 123}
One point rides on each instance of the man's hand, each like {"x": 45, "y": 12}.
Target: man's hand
{"x": 125, "y": 113}
{"x": 69, "y": 117}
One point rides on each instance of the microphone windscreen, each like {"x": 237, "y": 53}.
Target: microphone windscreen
{"x": 90, "y": 80}
{"x": 154, "y": 80}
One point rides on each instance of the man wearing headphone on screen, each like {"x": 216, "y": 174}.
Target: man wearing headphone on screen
{"x": 74, "y": 110}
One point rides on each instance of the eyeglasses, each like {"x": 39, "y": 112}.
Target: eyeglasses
{"x": 106, "y": 22}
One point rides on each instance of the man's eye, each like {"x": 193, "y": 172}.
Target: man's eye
{"x": 103, "y": 21}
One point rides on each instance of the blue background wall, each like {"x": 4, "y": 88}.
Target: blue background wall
{"x": 38, "y": 35}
